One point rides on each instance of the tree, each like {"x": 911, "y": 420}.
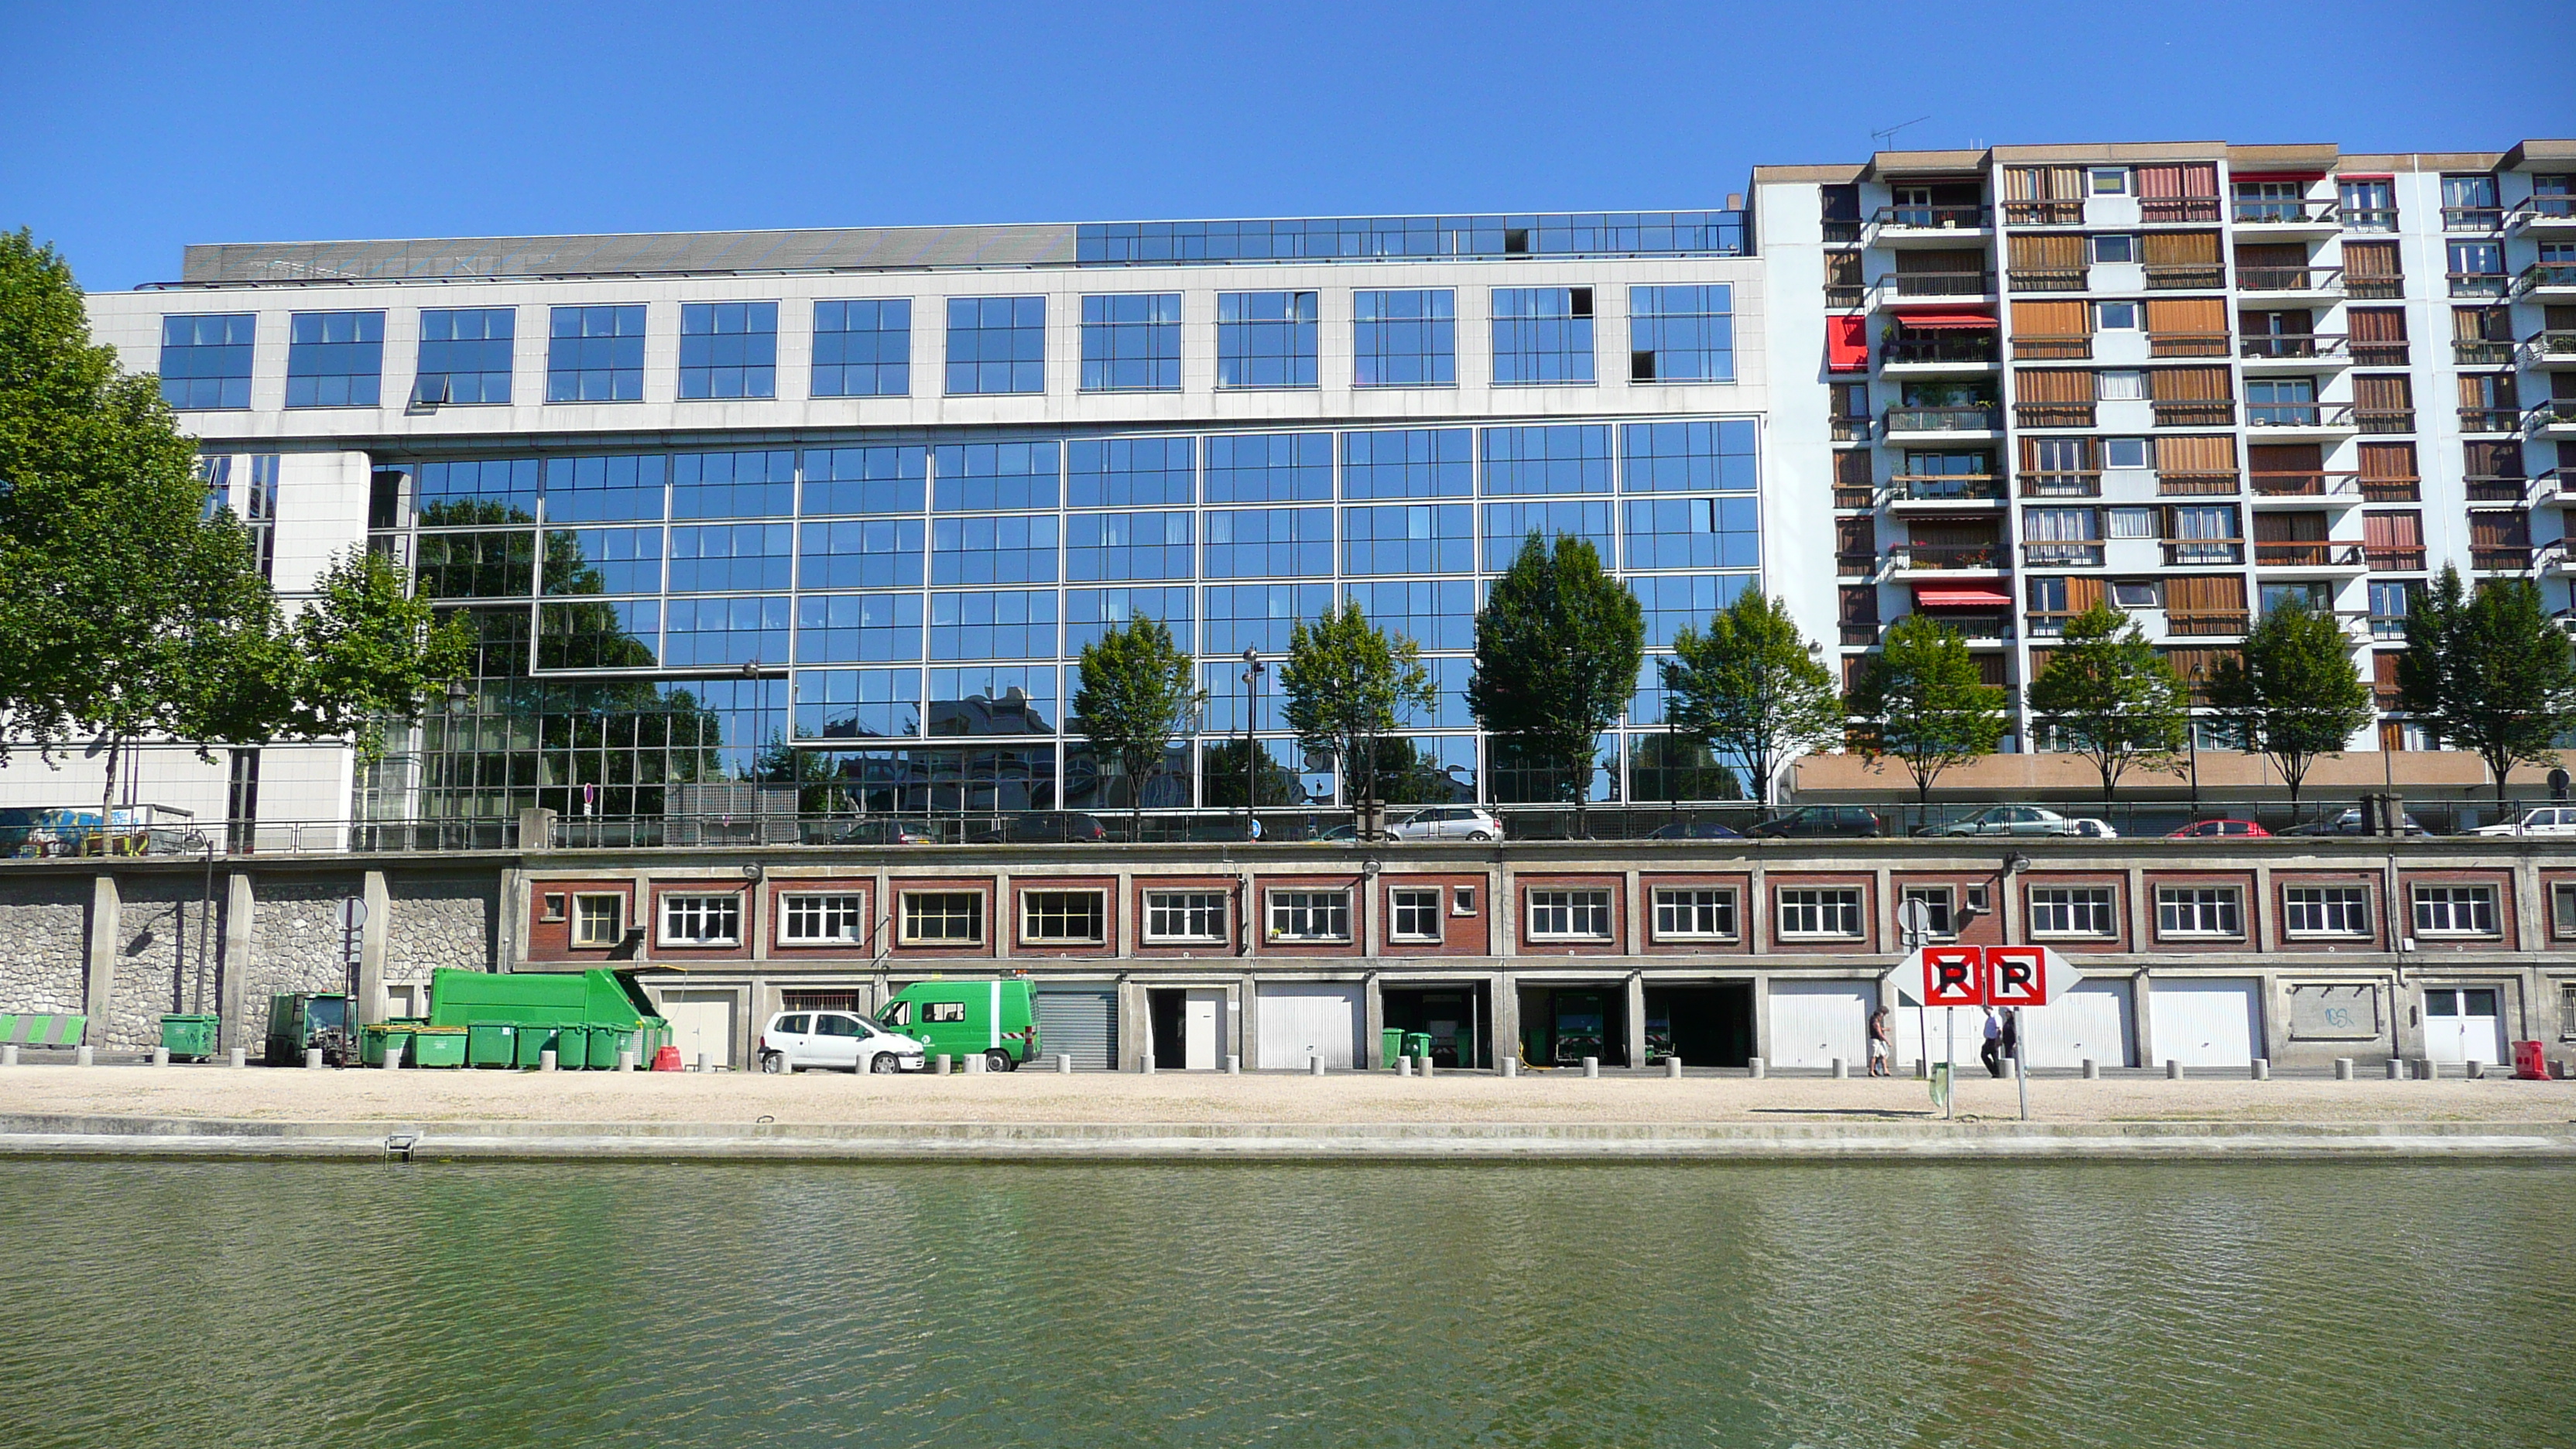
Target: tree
{"x": 1347, "y": 685}
{"x": 371, "y": 654}
{"x": 1753, "y": 689}
{"x": 2490, "y": 673}
{"x": 2293, "y": 693}
{"x": 1558, "y": 645}
{"x": 1923, "y": 701}
{"x": 1138, "y": 691}
{"x": 1225, "y": 775}
{"x": 2111, "y": 697}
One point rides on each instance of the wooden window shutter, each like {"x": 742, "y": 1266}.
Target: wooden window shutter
{"x": 2497, "y": 528}
{"x": 1842, "y": 269}
{"x": 2045, "y": 331}
{"x": 2377, "y": 324}
{"x": 1992, "y": 669}
{"x": 2180, "y": 248}
{"x": 1909, "y": 263}
{"x": 2371, "y": 259}
{"x": 1851, "y": 468}
{"x": 2083, "y": 591}
{"x": 2187, "y": 384}
{"x": 1856, "y": 536}
{"x": 2383, "y": 670}
{"x": 2187, "y": 314}
{"x": 2285, "y": 457}
{"x": 2394, "y": 529}
{"x": 2383, "y": 392}
{"x": 2196, "y": 454}
{"x": 2053, "y": 384}
{"x": 2046, "y": 252}
{"x": 1859, "y": 604}
{"x": 2388, "y": 460}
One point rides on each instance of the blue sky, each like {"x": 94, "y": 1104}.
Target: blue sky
{"x": 135, "y": 129}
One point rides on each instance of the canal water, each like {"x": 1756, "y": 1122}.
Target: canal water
{"x": 565, "y": 1304}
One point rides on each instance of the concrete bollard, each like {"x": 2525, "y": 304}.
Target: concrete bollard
{"x": 1511, "y": 1066}
{"x": 241, "y": 1057}
{"x": 1842, "y": 1070}
{"x": 626, "y": 1059}
{"x": 2428, "y": 1070}
{"x": 84, "y": 1056}
{"x": 1145, "y": 1063}
{"x": 1591, "y": 1066}
{"x": 1673, "y": 1068}
{"x": 2173, "y": 1070}
{"x": 394, "y": 1051}
{"x": 312, "y": 1059}
{"x": 2475, "y": 1071}
{"x": 706, "y": 1062}
{"x": 546, "y": 1060}
{"x": 1403, "y": 1066}
{"x": 976, "y": 1064}
{"x": 160, "y": 1056}
{"x": 1426, "y": 1066}
{"x": 1315, "y": 1066}
{"x": 1233, "y": 1065}
{"x": 2343, "y": 1069}
{"x": 2092, "y": 1070}
{"x": 2396, "y": 1070}
{"x": 1753, "y": 1067}
{"x": 1922, "y": 1069}
{"x": 1064, "y": 1064}
{"x": 941, "y": 1065}
{"x": 9, "y": 1055}
{"x": 2262, "y": 1069}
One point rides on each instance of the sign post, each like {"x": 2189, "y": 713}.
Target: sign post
{"x": 2006, "y": 977}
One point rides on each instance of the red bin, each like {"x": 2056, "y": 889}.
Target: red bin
{"x": 2530, "y": 1064}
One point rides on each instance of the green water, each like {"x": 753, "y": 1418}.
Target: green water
{"x": 224, "y": 1304}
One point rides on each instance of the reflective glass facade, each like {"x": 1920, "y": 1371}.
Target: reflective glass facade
{"x": 206, "y": 360}
{"x": 1405, "y": 339}
{"x": 863, "y": 349}
{"x": 728, "y": 349}
{"x": 1542, "y": 335}
{"x": 1266, "y": 339}
{"x": 1681, "y": 334}
{"x": 1599, "y": 233}
{"x": 595, "y": 354}
{"x": 996, "y": 345}
{"x": 335, "y": 359}
{"x": 1131, "y": 342}
{"x": 465, "y": 355}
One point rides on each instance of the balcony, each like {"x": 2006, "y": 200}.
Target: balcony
{"x": 2186, "y": 344}
{"x": 2478, "y": 284}
{"x": 2062, "y": 483}
{"x": 1975, "y": 419}
{"x": 2370, "y": 218}
{"x": 2285, "y": 217}
{"x": 2547, "y": 279}
{"x": 2185, "y": 276}
{"x": 2044, "y": 213}
{"x": 1970, "y": 350}
{"x": 1855, "y": 565}
{"x": 2310, "y": 557}
{"x": 1946, "y": 557}
{"x": 2324, "y": 417}
{"x": 1896, "y": 225}
{"x": 2373, "y": 288}
{"x": 2381, "y": 354}
{"x": 2497, "y": 488}
{"x": 2048, "y": 279}
{"x": 2490, "y": 420}
{"x": 2405, "y": 558}
{"x": 2555, "y": 418}
{"x": 2202, "y": 552}
{"x": 1850, "y": 430}
{"x": 1848, "y": 496}
{"x": 2053, "y": 415}
{"x": 2549, "y": 350}
{"x": 2260, "y": 348}
{"x": 2169, "y": 210}
{"x": 2500, "y": 558}
{"x": 2555, "y": 488}
{"x": 1915, "y": 286}
{"x": 2179, "y": 484}
{"x": 2051, "y": 346}
{"x": 2472, "y": 218}
{"x": 2548, "y": 215}
{"x": 2291, "y": 281}
{"x": 2300, "y": 487}
{"x": 2383, "y": 420}
{"x": 2392, "y": 488}
{"x": 1944, "y": 488}
{"x": 2482, "y": 351}
{"x": 2062, "y": 554}
{"x": 2201, "y": 625}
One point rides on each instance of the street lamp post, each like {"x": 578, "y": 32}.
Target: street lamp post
{"x": 1252, "y": 672}
{"x": 2191, "y": 737}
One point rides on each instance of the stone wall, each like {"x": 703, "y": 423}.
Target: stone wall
{"x": 161, "y": 961}
{"x": 296, "y": 939}
{"x": 44, "y": 941}
{"x": 439, "y": 921}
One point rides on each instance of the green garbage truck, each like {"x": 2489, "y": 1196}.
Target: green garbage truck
{"x": 996, "y": 1020}
{"x": 302, "y": 1021}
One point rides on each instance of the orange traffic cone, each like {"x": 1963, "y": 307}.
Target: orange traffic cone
{"x": 666, "y": 1059}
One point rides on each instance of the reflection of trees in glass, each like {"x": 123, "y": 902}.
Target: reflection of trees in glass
{"x": 476, "y": 565}
{"x": 934, "y": 780}
{"x": 1223, "y": 781}
{"x": 1410, "y": 774}
{"x": 472, "y": 513}
{"x": 1678, "y": 767}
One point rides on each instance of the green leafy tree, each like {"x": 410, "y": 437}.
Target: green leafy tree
{"x": 1558, "y": 645}
{"x": 1347, "y": 686}
{"x": 1923, "y": 701}
{"x": 372, "y": 655}
{"x": 1226, "y": 776}
{"x": 2293, "y": 693}
{"x": 2489, "y": 672}
{"x": 2111, "y": 697}
{"x": 1753, "y": 688}
{"x": 1138, "y": 691}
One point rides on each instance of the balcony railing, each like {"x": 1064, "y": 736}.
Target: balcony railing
{"x": 1944, "y": 556}
{"x": 2289, "y": 279}
{"x": 1983, "y": 419}
{"x": 1846, "y": 296}
{"x": 1842, "y": 233}
{"x": 2046, "y": 625}
{"x": 2321, "y": 483}
{"x": 2195, "y": 413}
{"x": 2554, "y": 485}
{"x": 2188, "y": 552}
{"x": 1975, "y": 347}
{"x": 2381, "y": 354}
{"x": 2478, "y": 284}
{"x": 2551, "y": 346}
{"x": 2405, "y": 558}
{"x": 2187, "y": 344}
{"x": 2044, "y": 213}
{"x": 2542, "y": 208}
{"x": 2370, "y": 218}
{"x": 2387, "y": 626}
{"x": 2500, "y": 558}
{"x": 2203, "y": 624}
{"x": 2180, "y": 484}
{"x": 2547, "y": 274}
{"x": 2391, "y": 488}
{"x": 2182, "y": 276}
{"x": 2384, "y": 420}
{"x": 1847, "y": 495}
{"x": 2292, "y": 344}
{"x": 2062, "y": 483}
{"x": 2051, "y": 346}
{"x": 2052, "y": 415}
{"x": 2298, "y": 415}
{"x": 2361, "y": 287}
{"x": 2481, "y": 351}
{"x": 1939, "y": 284}
{"x": 2047, "y": 279}
{"x": 2251, "y": 211}
{"x": 2489, "y": 420}
{"x": 2308, "y": 555}
{"x": 1945, "y": 487}
{"x": 2497, "y": 487}
{"x": 1855, "y": 565}
{"x": 2161, "y": 210}
{"x": 2062, "y": 554}
{"x": 2557, "y": 412}
{"x": 1850, "y": 430}
{"x": 2472, "y": 218}
{"x": 1934, "y": 218}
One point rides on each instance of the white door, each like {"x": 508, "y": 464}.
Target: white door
{"x": 2206, "y": 1023}
{"x": 2094, "y": 1022}
{"x": 1813, "y": 1022}
{"x": 1202, "y": 1022}
{"x": 701, "y": 1025}
{"x": 1302, "y": 1020}
{"x": 2464, "y": 1024}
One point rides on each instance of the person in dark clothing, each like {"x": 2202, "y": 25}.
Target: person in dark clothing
{"x": 2010, "y": 1041}
{"x": 1991, "y": 1051}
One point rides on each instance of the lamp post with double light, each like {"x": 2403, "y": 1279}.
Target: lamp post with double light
{"x": 1253, "y": 669}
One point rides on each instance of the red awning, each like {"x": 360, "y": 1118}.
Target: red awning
{"x": 1979, "y": 321}
{"x": 1961, "y": 599}
{"x": 1847, "y": 344}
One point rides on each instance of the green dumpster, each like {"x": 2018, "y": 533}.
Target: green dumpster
{"x": 371, "y": 1043}
{"x": 1417, "y": 1045}
{"x": 438, "y": 1046}
{"x": 606, "y": 1042}
{"x": 1390, "y": 1045}
{"x": 189, "y": 1036}
{"x": 533, "y": 1041}
{"x": 489, "y": 1043}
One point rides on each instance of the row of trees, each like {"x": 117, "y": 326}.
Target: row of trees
{"x": 1559, "y": 644}
{"x": 130, "y": 608}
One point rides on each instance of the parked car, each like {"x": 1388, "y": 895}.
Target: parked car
{"x": 835, "y": 1041}
{"x": 2220, "y": 830}
{"x": 2547, "y": 820}
{"x": 884, "y": 832}
{"x": 1447, "y": 822}
{"x": 1046, "y": 827}
{"x": 1695, "y": 830}
{"x": 994, "y": 1019}
{"x": 2350, "y": 823}
{"x": 1847, "y": 822}
{"x": 2025, "y": 820}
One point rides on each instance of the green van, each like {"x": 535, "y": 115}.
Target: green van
{"x": 996, "y": 1020}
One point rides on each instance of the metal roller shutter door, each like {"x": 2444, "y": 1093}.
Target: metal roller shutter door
{"x": 2206, "y": 1023}
{"x": 1081, "y": 1023}
{"x": 1813, "y": 1022}
{"x": 1300, "y": 1021}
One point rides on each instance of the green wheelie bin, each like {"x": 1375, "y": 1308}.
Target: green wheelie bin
{"x": 606, "y": 1042}
{"x": 438, "y": 1046}
{"x": 189, "y": 1036}
{"x": 490, "y": 1043}
{"x": 572, "y": 1048}
{"x": 534, "y": 1041}
{"x": 1417, "y": 1045}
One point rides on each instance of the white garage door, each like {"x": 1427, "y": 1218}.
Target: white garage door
{"x": 2091, "y": 1023}
{"x": 1310, "y": 1020}
{"x": 701, "y": 1024}
{"x": 1813, "y": 1022}
{"x": 2206, "y": 1023}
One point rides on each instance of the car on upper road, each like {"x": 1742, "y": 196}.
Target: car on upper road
{"x": 2547, "y": 820}
{"x": 2024, "y": 820}
{"x": 837, "y": 1041}
{"x": 1695, "y": 830}
{"x": 884, "y": 832}
{"x": 2350, "y": 823}
{"x": 1447, "y": 822}
{"x": 1046, "y": 827}
{"x": 2220, "y": 830}
{"x": 1814, "y": 822}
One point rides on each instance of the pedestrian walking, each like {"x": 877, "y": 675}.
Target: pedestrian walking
{"x": 1882, "y": 1044}
{"x": 1991, "y": 1052}
{"x": 2010, "y": 1042}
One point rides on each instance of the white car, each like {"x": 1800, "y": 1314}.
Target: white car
{"x": 2026, "y": 820}
{"x": 840, "y": 1040}
{"x": 1447, "y": 822}
{"x": 2547, "y": 820}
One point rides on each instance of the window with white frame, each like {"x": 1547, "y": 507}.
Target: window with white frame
{"x": 2120, "y": 385}
{"x": 702, "y": 920}
{"x": 1569, "y": 915}
{"x": 1940, "y": 919}
{"x": 2124, "y": 452}
{"x": 1462, "y": 900}
{"x": 1813, "y": 913}
{"x": 2115, "y": 316}
{"x": 598, "y": 918}
{"x": 1695, "y": 913}
{"x": 2326, "y": 910}
{"x": 943, "y": 918}
{"x": 1415, "y": 912}
{"x": 2199, "y": 911}
{"x": 819, "y": 918}
{"x": 1310, "y": 915}
{"x": 1175, "y": 916}
{"x": 2455, "y": 910}
{"x": 2110, "y": 181}
{"x": 1054, "y": 917}
{"x": 2072, "y": 911}
{"x": 2115, "y": 247}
